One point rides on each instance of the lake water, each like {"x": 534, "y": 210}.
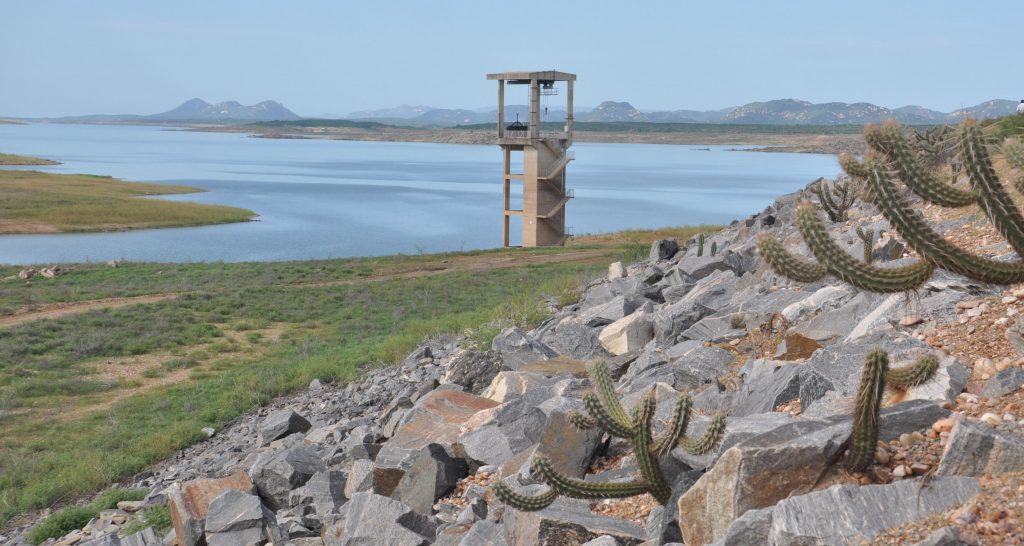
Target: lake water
{"x": 329, "y": 198}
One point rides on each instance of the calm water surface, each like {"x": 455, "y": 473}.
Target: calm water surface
{"x": 323, "y": 199}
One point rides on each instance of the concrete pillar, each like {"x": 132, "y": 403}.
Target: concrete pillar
{"x": 501, "y": 110}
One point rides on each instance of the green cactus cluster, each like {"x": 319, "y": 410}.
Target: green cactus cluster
{"x": 934, "y": 145}
{"x": 605, "y": 411}
{"x": 893, "y": 159}
{"x": 836, "y": 199}
{"x": 868, "y": 237}
{"x": 875, "y": 379}
{"x": 714, "y": 248}
{"x": 700, "y": 245}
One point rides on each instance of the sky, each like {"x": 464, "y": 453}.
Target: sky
{"x": 68, "y": 57}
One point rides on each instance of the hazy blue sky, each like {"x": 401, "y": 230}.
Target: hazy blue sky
{"x": 77, "y": 57}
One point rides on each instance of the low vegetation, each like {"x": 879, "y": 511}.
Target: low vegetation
{"x": 89, "y": 397}
{"x": 36, "y": 202}
{"x": 75, "y": 517}
{"x": 11, "y": 159}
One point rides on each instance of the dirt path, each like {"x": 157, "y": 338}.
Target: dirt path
{"x": 451, "y": 265}
{"x": 59, "y": 310}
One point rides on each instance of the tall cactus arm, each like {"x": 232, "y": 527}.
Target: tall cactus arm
{"x": 711, "y": 436}
{"x": 645, "y": 459}
{"x": 848, "y": 269}
{"x": 929, "y": 244}
{"x": 580, "y": 489}
{"x": 913, "y": 375}
{"x": 1013, "y": 151}
{"x": 889, "y": 141}
{"x": 868, "y": 237}
{"x": 996, "y": 203}
{"x": 525, "y": 503}
{"x": 605, "y": 389}
{"x": 853, "y": 167}
{"x": 580, "y": 421}
{"x": 787, "y": 265}
{"x": 868, "y": 405}
{"x": 604, "y": 419}
{"x": 677, "y": 426}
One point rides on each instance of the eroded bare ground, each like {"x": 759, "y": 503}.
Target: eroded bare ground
{"x": 451, "y": 265}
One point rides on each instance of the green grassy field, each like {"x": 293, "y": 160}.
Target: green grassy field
{"x": 36, "y": 202}
{"x": 94, "y": 394}
{"x": 11, "y": 159}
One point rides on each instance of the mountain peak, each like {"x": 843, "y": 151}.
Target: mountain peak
{"x": 200, "y": 110}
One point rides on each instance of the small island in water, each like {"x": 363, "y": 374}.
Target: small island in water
{"x": 38, "y": 202}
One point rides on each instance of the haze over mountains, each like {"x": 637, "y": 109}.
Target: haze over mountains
{"x": 774, "y": 112}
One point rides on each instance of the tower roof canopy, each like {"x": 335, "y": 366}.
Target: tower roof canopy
{"x": 525, "y": 77}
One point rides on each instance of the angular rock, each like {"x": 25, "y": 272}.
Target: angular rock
{"x": 750, "y": 529}
{"x": 603, "y": 315}
{"x": 234, "y": 518}
{"x": 616, "y": 271}
{"x": 1003, "y": 382}
{"x": 516, "y": 348}
{"x": 947, "y": 536}
{"x": 758, "y": 473}
{"x": 145, "y": 537}
{"x": 845, "y": 513}
{"x": 1015, "y": 336}
{"x": 438, "y": 418}
{"x": 280, "y": 424}
{"x": 432, "y": 474}
{"x": 686, "y": 365}
{"x": 824, "y": 299}
{"x": 189, "y": 502}
{"x": 663, "y": 249}
{"x": 627, "y": 334}
{"x": 572, "y": 338}
{"x": 276, "y": 473}
{"x": 714, "y": 329}
{"x": 672, "y": 320}
{"x": 324, "y": 492}
{"x": 473, "y": 370}
{"x": 796, "y": 347}
{"x": 565, "y": 523}
{"x": 766, "y": 385}
{"x": 374, "y": 519}
{"x": 494, "y": 436}
{"x": 976, "y": 449}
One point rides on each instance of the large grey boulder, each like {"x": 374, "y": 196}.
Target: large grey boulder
{"x": 750, "y": 529}
{"x": 670, "y": 321}
{"x": 1003, "y": 382}
{"x": 603, "y": 315}
{"x": 190, "y": 500}
{"x": 843, "y": 514}
{"x": 370, "y": 518}
{"x": 502, "y": 432}
{"x": 516, "y": 348}
{"x": 473, "y": 370}
{"x": 699, "y": 267}
{"x": 145, "y": 537}
{"x": 787, "y": 460}
{"x": 571, "y": 338}
{"x": 567, "y": 523}
{"x": 234, "y": 518}
{"x": 324, "y": 492}
{"x": 281, "y": 423}
{"x": 432, "y": 474}
{"x": 976, "y": 449}
{"x": 277, "y": 472}
{"x": 686, "y": 365}
{"x": 766, "y": 385}
{"x": 663, "y": 249}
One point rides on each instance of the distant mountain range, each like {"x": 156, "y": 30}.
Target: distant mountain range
{"x": 775, "y": 112}
{"x": 200, "y": 111}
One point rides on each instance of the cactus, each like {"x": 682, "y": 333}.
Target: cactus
{"x": 835, "y": 199}
{"x": 700, "y": 245}
{"x": 868, "y": 237}
{"x": 875, "y": 378}
{"x": 891, "y": 158}
{"x": 933, "y": 146}
{"x": 714, "y": 248}
{"x": 1013, "y": 151}
{"x": 607, "y": 413}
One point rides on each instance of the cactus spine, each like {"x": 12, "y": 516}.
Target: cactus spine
{"x": 714, "y": 248}
{"x": 606, "y": 412}
{"x": 875, "y": 378}
{"x": 868, "y": 237}
{"x": 893, "y": 157}
{"x": 700, "y": 245}
{"x": 835, "y": 199}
